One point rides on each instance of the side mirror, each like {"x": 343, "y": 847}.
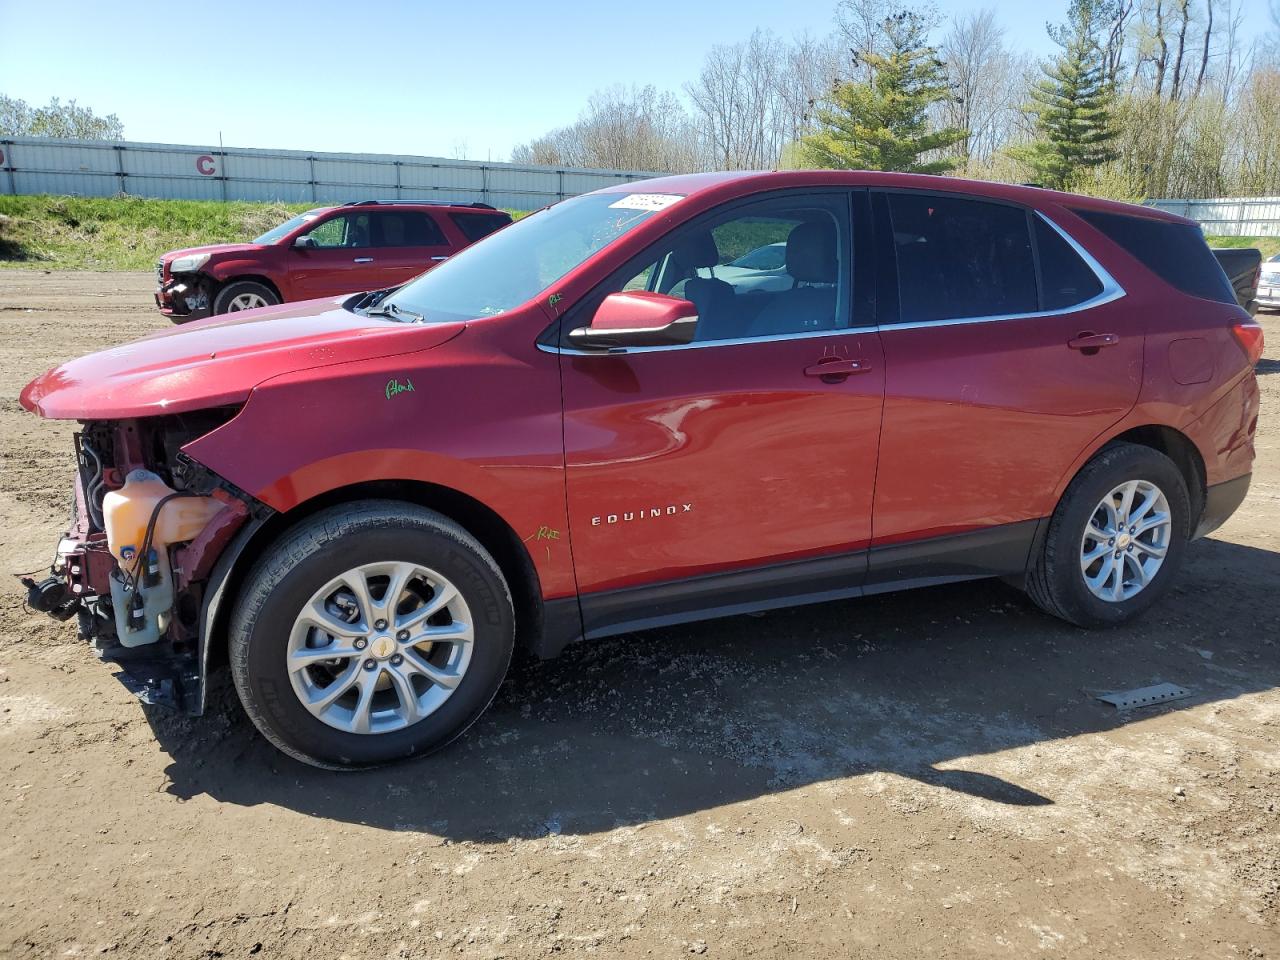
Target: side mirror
{"x": 304, "y": 243}
{"x": 638, "y": 318}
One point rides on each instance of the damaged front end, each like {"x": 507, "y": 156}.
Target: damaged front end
{"x": 135, "y": 566}
{"x": 183, "y": 296}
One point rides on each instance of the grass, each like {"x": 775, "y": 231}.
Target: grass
{"x": 1269, "y": 246}
{"x": 130, "y": 233}
{"x": 123, "y": 233}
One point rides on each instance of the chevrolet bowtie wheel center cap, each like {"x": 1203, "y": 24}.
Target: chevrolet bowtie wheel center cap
{"x": 382, "y": 648}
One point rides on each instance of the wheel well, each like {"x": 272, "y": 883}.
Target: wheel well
{"x": 252, "y": 278}
{"x": 482, "y": 523}
{"x": 1177, "y": 447}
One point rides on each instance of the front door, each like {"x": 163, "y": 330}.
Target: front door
{"x": 747, "y": 456}
{"x": 338, "y": 258}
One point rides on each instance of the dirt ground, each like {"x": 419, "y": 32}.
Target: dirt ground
{"x": 915, "y": 775}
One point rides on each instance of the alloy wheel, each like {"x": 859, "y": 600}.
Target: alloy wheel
{"x": 1125, "y": 541}
{"x": 380, "y": 647}
{"x": 246, "y": 301}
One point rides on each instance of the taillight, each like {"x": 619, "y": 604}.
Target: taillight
{"x": 1250, "y": 337}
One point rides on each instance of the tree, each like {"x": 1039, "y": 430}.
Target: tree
{"x": 864, "y": 26}
{"x": 1071, "y": 103}
{"x": 883, "y": 123}
{"x": 988, "y": 82}
{"x": 622, "y": 128}
{"x": 753, "y": 98}
{"x": 57, "y": 119}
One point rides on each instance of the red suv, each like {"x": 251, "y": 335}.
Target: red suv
{"x": 584, "y": 425}
{"x": 369, "y": 245}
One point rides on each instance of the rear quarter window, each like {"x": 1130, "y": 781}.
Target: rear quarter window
{"x": 1175, "y": 252}
{"x": 477, "y": 225}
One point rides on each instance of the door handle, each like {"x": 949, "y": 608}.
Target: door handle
{"x": 363, "y": 260}
{"x": 835, "y": 369}
{"x": 1090, "y": 343}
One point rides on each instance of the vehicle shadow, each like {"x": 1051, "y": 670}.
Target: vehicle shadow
{"x": 660, "y": 724}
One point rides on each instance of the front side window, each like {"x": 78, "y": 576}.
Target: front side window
{"x": 767, "y": 269}
{"x": 961, "y": 258}
{"x": 348, "y": 230}
{"x": 516, "y": 264}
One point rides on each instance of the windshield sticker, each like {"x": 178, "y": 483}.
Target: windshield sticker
{"x": 645, "y": 201}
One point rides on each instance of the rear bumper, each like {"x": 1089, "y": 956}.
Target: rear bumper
{"x": 1220, "y": 502}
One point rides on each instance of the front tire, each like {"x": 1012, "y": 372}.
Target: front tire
{"x": 1116, "y": 539}
{"x": 244, "y": 295}
{"x": 369, "y": 633}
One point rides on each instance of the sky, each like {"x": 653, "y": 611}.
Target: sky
{"x": 466, "y": 79}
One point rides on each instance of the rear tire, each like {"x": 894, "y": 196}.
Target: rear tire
{"x": 1094, "y": 571}
{"x": 398, "y": 689}
{"x": 244, "y": 295}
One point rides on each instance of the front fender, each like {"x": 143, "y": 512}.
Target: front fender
{"x": 460, "y": 416}
{"x": 226, "y": 270}
{"x": 213, "y": 609}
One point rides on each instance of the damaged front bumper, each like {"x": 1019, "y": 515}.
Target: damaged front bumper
{"x": 183, "y": 297}
{"x": 166, "y": 664}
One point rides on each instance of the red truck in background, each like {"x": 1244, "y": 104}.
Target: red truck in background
{"x": 328, "y": 251}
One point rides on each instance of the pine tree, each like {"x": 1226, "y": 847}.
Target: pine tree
{"x": 1071, "y": 104}
{"x": 883, "y": 124}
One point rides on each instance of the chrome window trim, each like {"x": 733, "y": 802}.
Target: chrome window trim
{"x": 696, "y": 345}
{"x": 1111, "y": 291}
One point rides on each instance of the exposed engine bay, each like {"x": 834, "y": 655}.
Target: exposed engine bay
{"x": 148, "y": 524}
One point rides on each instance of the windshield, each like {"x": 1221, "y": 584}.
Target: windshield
{"x": 275, "y": 233}
{"x": 514, "y": 265}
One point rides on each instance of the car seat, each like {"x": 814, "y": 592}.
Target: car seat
{"x": 811, "y": 259}
{"x": 712, "y": 296}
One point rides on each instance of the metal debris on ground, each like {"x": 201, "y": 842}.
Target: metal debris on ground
{"x": 1145, "y": 696}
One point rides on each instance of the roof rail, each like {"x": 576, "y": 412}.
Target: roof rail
{"x": 423, "y": 203}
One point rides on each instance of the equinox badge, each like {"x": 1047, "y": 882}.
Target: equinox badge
{"x": 645, "y": 513}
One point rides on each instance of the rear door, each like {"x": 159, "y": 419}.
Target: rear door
{"x": 405, "y": 244}
{"x": 1008, "y": 350}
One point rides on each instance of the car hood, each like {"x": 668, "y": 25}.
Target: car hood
{"x": 218, "y": 361}
{"x": 213, "y": 249}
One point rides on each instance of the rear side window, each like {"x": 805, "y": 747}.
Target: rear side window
{"x": 477, "y": 225}
{"x": 1065, "y": 279}
{"x": 961, "y": 258}
{"x": 1176, "y": 252}
{"x": 407, "y": 229}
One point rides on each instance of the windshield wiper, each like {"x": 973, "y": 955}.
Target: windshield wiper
{"x": 394, "y": 311}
